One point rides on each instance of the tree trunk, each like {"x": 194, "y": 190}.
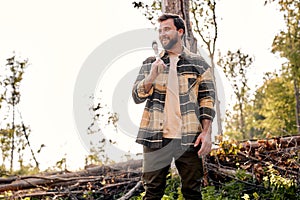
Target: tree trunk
{"x": 242, "y": 120}
{"x": 217, "y": 101}
{"x": 182, "y": 8}
{"x": 297, "y": 97}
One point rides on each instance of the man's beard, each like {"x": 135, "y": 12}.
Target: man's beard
{"x": 171, "y": 43}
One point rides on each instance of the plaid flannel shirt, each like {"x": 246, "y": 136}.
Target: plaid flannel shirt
{"x": 196, "y": 96}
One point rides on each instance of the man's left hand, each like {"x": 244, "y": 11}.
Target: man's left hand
{"x": 206, "y": 144}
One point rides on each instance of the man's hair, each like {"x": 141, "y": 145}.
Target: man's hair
{"x": 178, "y": 21}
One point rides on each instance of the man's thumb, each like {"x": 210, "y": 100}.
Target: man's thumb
{"x": 197, "y": 141}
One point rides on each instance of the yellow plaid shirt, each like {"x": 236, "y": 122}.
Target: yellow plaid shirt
{"x": 196, "y": 95}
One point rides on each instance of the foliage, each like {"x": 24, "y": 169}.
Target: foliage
{"x": 244, "y": 185}
{"x": 150, "y": 11}
{"x": 62, "y": 164}
{"x": 205, "y": 23}
{"x": 287, "y": 43}
{"x": 14, "y": 134}
{"x": 172, "y": 190}
{"x": 27, "y": 170}
{"x": 279, "y": 186}
{"x": 253, "y": 171}
{"x": 270, "y": 113}
{"x": 274, "y": 187}
{"x": 226, "y": 147}
{"x": 97, "y": 155}
{"x": 274, "y": 108}
{"x": 101, "y": 118}
{"x": 235, "y": 65}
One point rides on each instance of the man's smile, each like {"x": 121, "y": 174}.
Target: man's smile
{"x": 165, "y": 40}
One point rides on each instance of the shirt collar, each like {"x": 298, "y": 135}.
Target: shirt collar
{"x": 184, "y": 54}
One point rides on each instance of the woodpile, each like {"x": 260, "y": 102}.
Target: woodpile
{"x": 282, "y": 153}
{"x": 94, "y": 182}
{"x": 122, "y": 180}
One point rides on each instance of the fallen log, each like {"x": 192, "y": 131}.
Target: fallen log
{"x": 124, "y": 178}
{"x": 88, "y": 175}
{"x": 272, "y": 143}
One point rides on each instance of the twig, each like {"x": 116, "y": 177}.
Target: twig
{"x": 131, "y": 192}
{"x": 114, "y": 185}
{"x": 230, "y": 173}
{"x": 265, "y": 163}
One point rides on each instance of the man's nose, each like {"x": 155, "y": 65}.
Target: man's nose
{"x": 162, "y": 33}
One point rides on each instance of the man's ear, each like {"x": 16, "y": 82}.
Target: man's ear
{"x": 181, "y": 32}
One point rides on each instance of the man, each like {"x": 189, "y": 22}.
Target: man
{"x": 176, "y": 122}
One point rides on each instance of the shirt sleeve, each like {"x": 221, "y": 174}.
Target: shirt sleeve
{"x": 139, "y": 94}
{"x": 206, "y": 95}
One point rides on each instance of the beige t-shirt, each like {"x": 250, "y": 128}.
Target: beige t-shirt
{"x": 172, "y": 122}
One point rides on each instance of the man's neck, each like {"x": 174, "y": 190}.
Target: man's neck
{"x": 176, "y": 50}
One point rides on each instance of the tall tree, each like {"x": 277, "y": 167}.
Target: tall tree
{"x": 205, "y": 20}
{"x": 287, "y": 43}
{"x": 205, "y": 24}
{"x": 14, "y": 136}
{"x": 273, "y": 107}
{"x": 12, "y": 94}
{"x": 235, "y": 65}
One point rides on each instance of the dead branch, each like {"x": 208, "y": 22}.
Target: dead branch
{"x": 131, "y": 192}
{"x": 89, "y": 174}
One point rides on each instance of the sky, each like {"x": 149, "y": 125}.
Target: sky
{"x": 59, "y": 36}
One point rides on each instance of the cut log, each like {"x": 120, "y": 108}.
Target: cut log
{"x": 89, "y": 174}
{"x": 272, "y": 143}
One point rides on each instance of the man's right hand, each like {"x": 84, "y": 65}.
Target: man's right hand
{"x": 157, "y": 67}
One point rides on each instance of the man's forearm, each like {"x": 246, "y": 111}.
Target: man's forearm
{"x": 206, "y": 125}
{"x": 148, "y": 83}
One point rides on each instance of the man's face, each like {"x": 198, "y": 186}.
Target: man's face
{"x": 168, "y": 34}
